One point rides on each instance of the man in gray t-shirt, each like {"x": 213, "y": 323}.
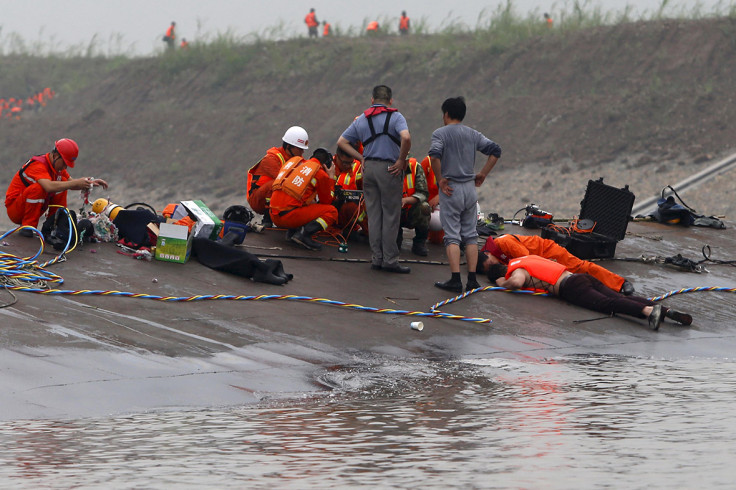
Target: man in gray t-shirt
{"x": 452, "y": 152}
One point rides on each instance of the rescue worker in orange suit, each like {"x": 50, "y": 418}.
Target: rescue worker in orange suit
{"x": 352, "y": 217}
{"x": 403, "y": 24}
{"x": 299, "y": 183}
{"x": 537, "y": 273}
{"x": 507, "y": 247}
{"x": 262, "y": 174}
{"x": 43, "y": 181}
{"x": 184, "y": 44}
{"x": 326, "y": 28}
{"x": 170, "y": 36}
{"x": 312, "y": 23}
{"x": 415, "y": 209}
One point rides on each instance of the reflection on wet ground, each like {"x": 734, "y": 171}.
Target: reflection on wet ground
{"x": 578, "y": 421}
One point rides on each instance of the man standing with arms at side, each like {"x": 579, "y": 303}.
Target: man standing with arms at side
{"x": 452, "y": 151}
{"x": 386, "y": 144}
{"x": 312, "y": 23}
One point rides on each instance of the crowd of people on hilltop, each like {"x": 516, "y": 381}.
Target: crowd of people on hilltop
{"x": 372, "y": 28}
{"x": 12, "y": 107}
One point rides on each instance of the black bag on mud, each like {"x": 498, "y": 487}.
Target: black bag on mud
{"x": 56, "y": 230}
{"x": 668, "y": 211}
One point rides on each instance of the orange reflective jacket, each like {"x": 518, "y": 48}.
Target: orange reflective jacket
{"x": 404, "y": 24}
{"x": 350, "y": 180}
{"x": 37, "y": 168}
{"x": 311, "y": 19}
{"x": 263, "y": 172}
{"x": 432, "y": 186}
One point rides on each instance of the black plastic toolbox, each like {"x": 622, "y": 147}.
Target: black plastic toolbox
{"x": 609, "y": 208}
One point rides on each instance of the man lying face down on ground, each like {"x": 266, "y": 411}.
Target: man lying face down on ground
{"x": 534, "y": 272}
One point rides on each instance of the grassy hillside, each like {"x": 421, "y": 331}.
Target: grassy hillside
{"x": 638, "y": 103}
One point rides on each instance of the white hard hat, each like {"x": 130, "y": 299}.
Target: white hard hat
{"x": 434, "y": 221}
{"x": 297, "y": 136}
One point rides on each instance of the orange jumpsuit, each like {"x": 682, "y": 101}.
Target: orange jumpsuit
{"x": 289, "y": 212}
{"x": 260, "y": 178}
{"x": 26, "y": 203}
{"x": 520, "y": 246}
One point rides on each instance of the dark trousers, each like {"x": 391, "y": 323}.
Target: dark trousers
{"x": 587, "y": 291}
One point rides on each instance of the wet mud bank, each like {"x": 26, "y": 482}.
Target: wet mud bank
{"x": 98, "y": 349}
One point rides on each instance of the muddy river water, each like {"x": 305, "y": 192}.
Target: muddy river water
{"x": 568, "y": 422}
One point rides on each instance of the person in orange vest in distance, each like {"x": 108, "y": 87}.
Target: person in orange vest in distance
{"x": 403, "y": 23}
{"x": 44, "y": 181}
{"x": 312, "y": 23}
{"x": 415, "y": 210}
{"x": 352, "y": 216}
{"x": 262, "y": 174}
{"x": 184, "y": 44}
{"x": 326, "y": 28}
{"x": 372, "y": 27}
{"x": 548, "y": 19}
{"x": 170, "y": 36}
{"x": 299, "y": 183}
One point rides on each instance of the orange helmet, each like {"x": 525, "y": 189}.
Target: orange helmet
{"x": 68, "y": 149}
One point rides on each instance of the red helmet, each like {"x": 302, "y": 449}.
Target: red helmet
{"x": 68, "y": 149}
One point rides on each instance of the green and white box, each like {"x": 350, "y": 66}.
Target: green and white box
{"x": 174, "y": 243}
{"x": 207, "y": 224}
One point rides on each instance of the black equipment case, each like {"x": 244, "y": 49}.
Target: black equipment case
{"x": 609, "y": 208}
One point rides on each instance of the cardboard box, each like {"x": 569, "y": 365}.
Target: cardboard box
{"x": 207, "y": 224}
{"x": 174, "y": 243}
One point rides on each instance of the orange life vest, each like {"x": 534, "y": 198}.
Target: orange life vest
{"x": 326, "y": 30}
{"x": 537, "y": 267}
{"x": 432, "y": 186}
{"x": 255, "y": 180}
{"x": 311, "y": 19}
{"x": 404, "y": 24}
{"x": 349, "y": 180}
{"x": 295, "y": 177}
{"x": 372, "y": 26}
{"x": 410, "y": 178}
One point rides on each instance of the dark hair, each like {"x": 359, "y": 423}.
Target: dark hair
{"x": 382, "y": 93}
{"x": 496, "y": 270}
{"x": 481, "y": 258}
{"x": 455, "y": 108}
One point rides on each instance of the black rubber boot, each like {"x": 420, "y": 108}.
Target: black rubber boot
{"x": 304, "y": 236}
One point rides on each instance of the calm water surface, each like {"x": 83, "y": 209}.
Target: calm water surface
{"x": 572, "y": 422}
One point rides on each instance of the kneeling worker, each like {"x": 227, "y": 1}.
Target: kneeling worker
{"x": 42, "y": 182}
{"x": 295, "y": 189}
{"x": 534, "y": 272}
{"x": 415, "y": 210}
{"x": 262, "y": 174}
{"x": 352, "y": 216}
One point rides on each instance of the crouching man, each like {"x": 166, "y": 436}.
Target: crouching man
{"x": 293, "y": 201}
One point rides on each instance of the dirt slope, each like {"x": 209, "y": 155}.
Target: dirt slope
{"x": 642, "y": 104}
